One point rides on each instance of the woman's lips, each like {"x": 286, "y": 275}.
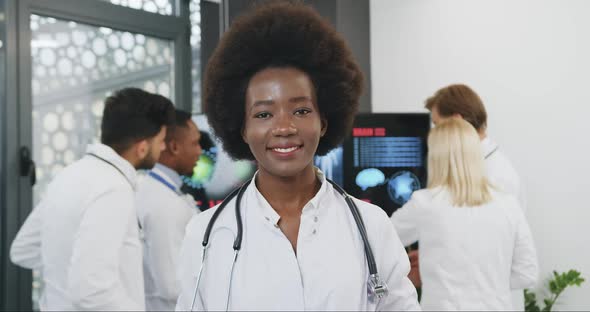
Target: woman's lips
{"x": 285, "y": 151}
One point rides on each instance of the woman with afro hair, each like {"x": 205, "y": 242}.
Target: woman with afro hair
{"x": 281, "y": 87}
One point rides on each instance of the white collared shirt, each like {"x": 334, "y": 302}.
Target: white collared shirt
{"x": 84, "y": 237}
{"x": 163, "y": 214}
{"x": 328, "y": 272}
{"x": 470, "y": 257}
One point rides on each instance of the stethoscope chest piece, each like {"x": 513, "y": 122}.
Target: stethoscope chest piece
{"x": 376, "y": 288}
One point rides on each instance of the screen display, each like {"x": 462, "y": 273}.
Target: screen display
{"x": 385, "y": 158}
{"x": 332, "y": 165}
{"x": 215, "y": 174}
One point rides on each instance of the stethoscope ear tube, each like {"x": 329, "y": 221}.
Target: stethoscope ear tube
{"x": 361, "y": 227}
{"x": 216, "y": 214}
{"x": 376, "y": 287}
{"x": 238, "y": 241}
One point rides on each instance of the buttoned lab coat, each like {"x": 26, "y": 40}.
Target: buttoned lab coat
{"x": 470, "y": 257}
{"x": 84, "y": 237}
{"x": 163, "y": 214}
{"x": 328, "y": 272}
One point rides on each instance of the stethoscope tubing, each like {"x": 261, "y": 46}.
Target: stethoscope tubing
{"x": 239, "y": 192}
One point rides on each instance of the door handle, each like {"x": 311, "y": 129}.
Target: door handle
{"x": 27, "y": 165}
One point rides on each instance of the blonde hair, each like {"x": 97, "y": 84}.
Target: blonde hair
{"x": 455, "y": 162}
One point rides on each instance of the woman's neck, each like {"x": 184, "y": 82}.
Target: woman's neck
{"x": 288, "y": 195}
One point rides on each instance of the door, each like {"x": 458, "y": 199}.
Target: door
{"x": 71, "y": 55}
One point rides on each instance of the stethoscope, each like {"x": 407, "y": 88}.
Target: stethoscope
{"x": 376, "y": 287}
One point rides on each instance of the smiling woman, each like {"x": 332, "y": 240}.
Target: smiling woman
{"x": 281, "y": 87}
{"x": 283, "y": 125}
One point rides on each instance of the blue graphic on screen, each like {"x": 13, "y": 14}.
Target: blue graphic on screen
{"x": 331, "y": 165}
{"x": 370, "y": 177}
{"x": 401, "y": 186}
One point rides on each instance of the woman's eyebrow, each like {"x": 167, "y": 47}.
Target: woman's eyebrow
{"x": 300, "y": 99}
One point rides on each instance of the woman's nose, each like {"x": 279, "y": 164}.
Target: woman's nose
{"x": 284, "y": 126}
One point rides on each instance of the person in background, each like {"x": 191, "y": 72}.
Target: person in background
{"x": 282, "y": 86}
{"x": 164, "y": 212}
{"x": 475, "y": 243}
{"x": 84, "y": 233}
{"x": 459, "y": 100}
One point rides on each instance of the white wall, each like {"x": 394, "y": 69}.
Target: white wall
{"x": 529, "y": 60}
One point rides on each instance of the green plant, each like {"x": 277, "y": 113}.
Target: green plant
{"x": 556, "y": 286}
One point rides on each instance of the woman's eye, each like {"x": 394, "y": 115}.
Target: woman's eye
{"x": 302, "y": 111}
{"x": 262, "y": 115}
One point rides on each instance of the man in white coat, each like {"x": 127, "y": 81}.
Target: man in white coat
{"x": 459, "y": 100}
{"x": 84, "y": 234}
{"x": 164, "y": 212}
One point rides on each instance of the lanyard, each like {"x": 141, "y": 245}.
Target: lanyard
{"x": 163, "y": 181}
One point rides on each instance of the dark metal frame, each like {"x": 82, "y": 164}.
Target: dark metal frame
{"x": 15, "y": 287}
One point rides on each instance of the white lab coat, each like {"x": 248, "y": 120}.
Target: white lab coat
{"x": 163, "y": 214}
{"x": 502, "y": 175}
{"x": 470, "y": 257}
{"x": 84, "y": 237}
{"x": 328, "y": 272}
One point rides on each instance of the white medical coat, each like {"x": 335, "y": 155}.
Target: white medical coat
{"x": 84, "y": 237}
{"x": 470, "y": 257}
{"x": 163, "y": 214}
{"x": 501, "y": 174}
{"x": 329, "y": 271}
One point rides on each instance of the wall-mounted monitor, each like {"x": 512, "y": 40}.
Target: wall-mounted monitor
{"x": 385, "y": 158}
{"x": 215, "y": 174}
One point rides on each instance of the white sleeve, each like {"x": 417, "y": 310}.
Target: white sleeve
{"x": 165, "y": 227}
{"x": 525, "y": 267}
{"x": 189, "y": 263}
{"x": 405, "y": 222}
{"x": 25, "y": 250}
{"x": 94, "y": 274}
{"x": 394, "y": 269}
{"x": 522, "y": 196}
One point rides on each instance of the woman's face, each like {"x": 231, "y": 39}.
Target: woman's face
{"x": 282, "y": 121}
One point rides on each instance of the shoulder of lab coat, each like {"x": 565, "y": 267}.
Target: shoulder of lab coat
{"x": 93, "y": 276}
{"x": 25, "y": 250}
{"x": 163, "y": 215}
{"x": 406, "y": 219}
{"x": 501, "y": 173}
{"x": 191, "y": 252}
{"x": 392, "y": 260}
{"x": 524, "y": 272}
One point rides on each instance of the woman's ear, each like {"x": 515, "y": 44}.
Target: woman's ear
{"x": 324, "y": 122}
{"x": 243, "y": 133}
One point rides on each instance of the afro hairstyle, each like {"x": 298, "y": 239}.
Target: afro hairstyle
{"x": 281, "y": 34}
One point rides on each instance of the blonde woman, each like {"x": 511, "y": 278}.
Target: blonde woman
{"x": 475, "y": 244}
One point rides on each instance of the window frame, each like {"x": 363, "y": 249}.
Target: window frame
{"x": 16, "y": 204}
